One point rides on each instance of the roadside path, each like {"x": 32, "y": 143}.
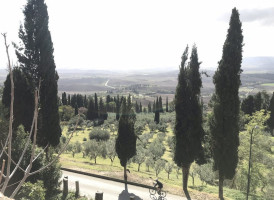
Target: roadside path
{"x": 112, "y": 190}
{"x": 106, "y": 84}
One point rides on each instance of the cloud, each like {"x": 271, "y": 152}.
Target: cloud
{"x": 265, "y": 16}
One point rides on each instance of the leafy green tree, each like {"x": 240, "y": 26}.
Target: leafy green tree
{"x": 32, "y": 191}
{"x": 35, "y": 56}
{"x": 160, "y": 105}
{"x": 168, "y": 168}
{"x": 93, "y": 149}
{"x": 156, "y": 149}
{"x": 224, "y": 127}
{"x": 126, "y": 140}
{"x": 149, "y": 162}
{"x": 140, "y": 156}
{"x": 110, "y": 148}
{"x": 158, "y": 166}
{"x": 66, "y": 113}
{"x": 99, "y": 135}
{"x": 261, "y": 160}
{"x": 189, "y": 132}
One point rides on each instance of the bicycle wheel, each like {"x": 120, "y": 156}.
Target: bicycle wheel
{"x": 152, "y": 191}
{"x": 163, "y": 193}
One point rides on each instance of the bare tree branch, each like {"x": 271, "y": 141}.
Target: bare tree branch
{"x": 11, "y": 116}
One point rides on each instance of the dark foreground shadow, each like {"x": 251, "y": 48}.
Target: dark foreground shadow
{"x": 125, "y": 195}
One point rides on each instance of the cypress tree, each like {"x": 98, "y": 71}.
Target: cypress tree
{"x": 117, "y": 108}
{"x": 80, "y": 100}
{"x": 37, "y": 62}
{"x": 73, "y": 101}
{"x": 136, "y": 107}
{"x": 85, "y": 101}
{"x": 140, "y": 107}
{"x": 23, "y": 99}
{"x": 224, "y": 127}
{"x": 126, "y": 140}
{"x": 64, "y": 99}
{"x": 149, "y": 107}
{"x": 69, "y": 99}
{"x": 270, "y": 121}
{"x": 248, "y": 105}
{"x": 188, "y": 129}
{"x": 154, "y": 107}
{"x": 90, "y": 112}
{"x": 166, "y": 104}
{"x": 157, "y": 112}
{"x": 102, "y": 110}
{"x": 96, "y": 108}
{"x": 160, "y": 105}
{"x": 76, "y": 110}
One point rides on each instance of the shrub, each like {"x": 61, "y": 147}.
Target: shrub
{"x": 32, "y": 191}
{"x": 99, "y": 135}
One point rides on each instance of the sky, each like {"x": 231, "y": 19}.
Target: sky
{"x": 142, "y": 34}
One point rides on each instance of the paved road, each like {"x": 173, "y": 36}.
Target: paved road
{"x": 111, "y": 190}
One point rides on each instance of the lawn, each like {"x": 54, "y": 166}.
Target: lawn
{"x": 172, "y": 185}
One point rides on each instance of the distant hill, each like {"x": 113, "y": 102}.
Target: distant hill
{"x": 258, "y": 65}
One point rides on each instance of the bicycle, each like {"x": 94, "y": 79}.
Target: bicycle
{"x": 155, "y": 190}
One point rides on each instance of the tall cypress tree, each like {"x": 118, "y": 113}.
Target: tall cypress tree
{"x": 126, "y": 140}
{"x": 90, "y": 112}
{"x": 247, "y": 105}
{"x": 270, "y": 121}
{"x": 118, "y": 105}
{"x": 224, "y": 126}
{"x": 37, "y": 62}
{"x": 149, "y": 107}
{"x": 64, "y": 99}
{"x": 188, "y": 129}
{"x": 69, "y": 99}
{"x": 166, "y": 104}
{"x": 157, "y": 112}
{"x": 96, "y": 107}
{"x": 23, "y": 99}
{"x": 160, "y": 105}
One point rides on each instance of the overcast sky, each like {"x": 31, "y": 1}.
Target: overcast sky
{"x": 127, "y": 34}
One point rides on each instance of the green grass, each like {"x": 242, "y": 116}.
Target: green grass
{"x": 268, "y": 84}
{"x": 173, "y": 184}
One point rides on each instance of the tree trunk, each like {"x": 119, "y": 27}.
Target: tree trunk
{"x": 125, "y": 176}
{"x": 185, "y": 170}
{"x": 221, "y": 183}
{"x": 139, "y": 167}
{"x": 95, "y": 160}
{"x": 167, "y": 175}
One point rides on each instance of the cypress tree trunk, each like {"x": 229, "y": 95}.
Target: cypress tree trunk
{"x": 139, "y": 167}
{"x": 185, "y": 172}
{"x": 221, "y": 183}
{"x": 125, "y": 176}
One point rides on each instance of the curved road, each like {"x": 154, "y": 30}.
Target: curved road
{"x": 111, "y": 190}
